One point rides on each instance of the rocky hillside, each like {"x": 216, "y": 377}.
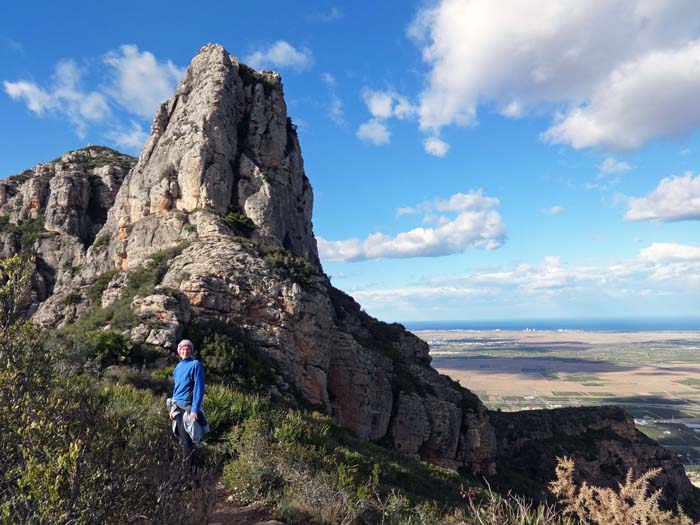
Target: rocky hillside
{"x": 55, "y": 210}
{"x": 212, "y": 228}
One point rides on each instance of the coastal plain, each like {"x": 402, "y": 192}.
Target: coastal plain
{"x": 655, "y": 376}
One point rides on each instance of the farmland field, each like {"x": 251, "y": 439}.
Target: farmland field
{"x": 655, "y": 376}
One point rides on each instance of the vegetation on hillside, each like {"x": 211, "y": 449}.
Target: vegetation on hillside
{"x": 78, "y": 449}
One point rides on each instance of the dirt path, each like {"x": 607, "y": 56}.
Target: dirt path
{"x": 224, "y": 511}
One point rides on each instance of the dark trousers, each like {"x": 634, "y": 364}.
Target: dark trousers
{"x": 185, "y": 440}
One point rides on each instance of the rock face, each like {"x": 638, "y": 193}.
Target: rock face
{"x": 603, "y": 443}
{"x": 223, "y": 172}
{"x": 55, "y": 210}
{"x": 222, "y": 145}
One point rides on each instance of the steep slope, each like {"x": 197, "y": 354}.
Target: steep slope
{"x": 221, "y": 185}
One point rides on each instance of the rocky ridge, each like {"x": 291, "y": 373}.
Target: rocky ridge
{"x": 55, "y": 210}
{"x": 221, "y": 185}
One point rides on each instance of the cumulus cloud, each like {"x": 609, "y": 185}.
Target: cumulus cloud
{"x": 139, "y": 81}
{"x": 382, "y": 106}
{"x": 516, "y": 58}
{"x": 674, "y": 199}
{"x": 436, "y": 147}
{"x": 554, "y": 210}
{"x": 664, "y": 252}
{"x": 618, "y": 114}
{"x": 65, "y": 97}
{"x": 476, "y": 225}
{"x": 374, "y": 131}
{"x": 282, "y": 55}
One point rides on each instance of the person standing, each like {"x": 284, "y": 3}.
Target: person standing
{"x": 186, "y": 404}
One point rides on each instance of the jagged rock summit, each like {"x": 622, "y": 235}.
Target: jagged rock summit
{"x": 222, "y": 170}
{"x": 213, "y": 226}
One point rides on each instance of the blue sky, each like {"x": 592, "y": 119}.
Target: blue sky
{"x": 470, "y": 159}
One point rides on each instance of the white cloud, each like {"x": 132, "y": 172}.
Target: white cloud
{"x": 554, "y": 210}
{"x": 611, "y": 165}
{"x": 387, "y": 104}
{"x": 383, "y": 105}
{"x": 659, "y": 270}
{"x": 65, "y": 97}
{"x": 379, "y": 103}
{"x": 37, "y": 100}
{"x": 660, "y": 252}
{"x": 519, "y": 59}
{"x": 674, "y": 199}
{"x": 280, "y": 54}
{"x": 436, "y": 147}
{"x": 139, "y": 81}
{"x": 477, "y": 225}
{"x": 335, "y": 107}
{"x": 618, "y": 114}
{"x": 132, "y": 139}
{"x": 374, "y": 131}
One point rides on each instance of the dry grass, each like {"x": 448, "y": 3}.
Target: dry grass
{"x": 630, "y": 505}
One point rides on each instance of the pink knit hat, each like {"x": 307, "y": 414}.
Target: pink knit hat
{"x": 185, "y": 342}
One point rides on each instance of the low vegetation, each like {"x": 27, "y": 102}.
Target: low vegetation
{"x": 25, "y": 233}
{"x": 289, "y": 266}
{"x": 240, "y": 223}
{"x": 78, "y": 449}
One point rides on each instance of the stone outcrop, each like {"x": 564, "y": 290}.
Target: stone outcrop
{"x": 603, "y": 442}
{"x": 56, "y": 209}
{"x": 222, "y": 173}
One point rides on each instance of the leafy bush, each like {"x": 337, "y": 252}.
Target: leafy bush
{"x": 240, "y": 223}
{"x": 226, "y": 407}
{"x": 25, "y": 233}
{"x": 100, "y": 242}
{"x": 99, "y": 286}
{"x": 290, "y": 266}
{"x": 232, "y": 360}
{"x": 72, "y": 298}
{"x": 74, "y": 450}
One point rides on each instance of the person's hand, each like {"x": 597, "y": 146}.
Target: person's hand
{"x": 193, "y": 417}
{"x": 170, "y": 415}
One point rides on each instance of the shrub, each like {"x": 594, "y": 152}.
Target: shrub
{"x": 72, "y": 298}
{"x": 240, "y": 223}
{"x": 100, "y": 242}
{"x": 74, "y": 450}
{"x": 232, "y": 360}
{"x": 603, "y": 506}
{"x": 226, "y": 407}
{"x": 290, "y": 266}
{"x": 99, "y": 287}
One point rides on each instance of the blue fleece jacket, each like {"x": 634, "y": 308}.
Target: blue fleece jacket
{"x": 189, "y": 383}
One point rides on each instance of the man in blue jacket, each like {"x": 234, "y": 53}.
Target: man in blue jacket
{"x": 188, "y": 393}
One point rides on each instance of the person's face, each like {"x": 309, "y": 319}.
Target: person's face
{"x": 184, "y": 351}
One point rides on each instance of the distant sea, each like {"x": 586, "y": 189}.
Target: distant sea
{"x": 587, "y": 325}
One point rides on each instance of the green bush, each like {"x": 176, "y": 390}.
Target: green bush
{"x": 289, "y": 266}
{"x": 99, "y": 286}
{"x": 74, "y": 450}
{"x": 226, "y": 407}
{"x": 100, "y": 242}
{"x": 232, "y": 360}
{"x": 240, "y": 223}
{"x": 72, "y": 298}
